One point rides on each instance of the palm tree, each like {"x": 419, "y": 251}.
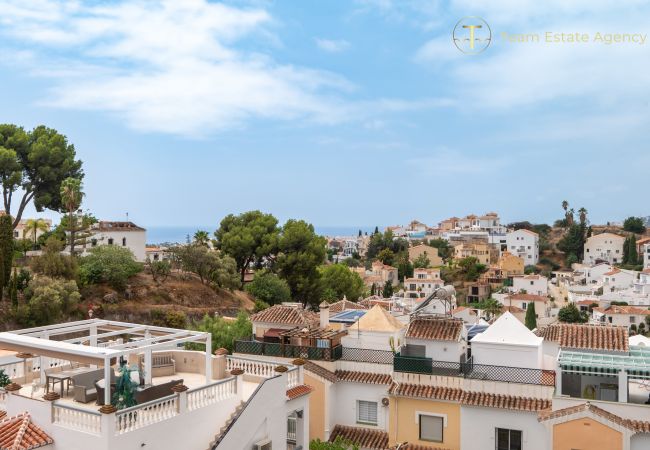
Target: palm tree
{"x": 583, "y": 215}
{"x": 569, "y": 217}
{"x": 32, "y": 227}
{"x": 71, "y": 196}
{"x": 202, "y": 238}
{"x": 492, "y": 307}
{"x": 565, "y": 205}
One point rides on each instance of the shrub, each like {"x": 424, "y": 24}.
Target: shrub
{"x": 48, "y": 301}
{"x": 108, "y": 264}
{"x": 225, "y": 332}
{"x": 52, "y": 263}
{"x": 268, "y": 288}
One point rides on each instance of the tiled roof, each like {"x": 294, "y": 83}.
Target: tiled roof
{"x": 470, "y": 398}
{"x": 620, "y": 309}
{"x": 637, "y": 426}
{"x": 363, "y": 377}
{"x": 3, "y": 414}
{"x": 528, "y": 298}
{"x": 320, "y": 371}
{"x": 435, "y": 329}
{"x": 116, "y": 226}
{"x": 363, "y": 437}
{"x": 511, "y": 309}
{"x": 286, "y": 315}
{"x": 583, "y": 336}
{"x": 505, "y": 401}
{"x": 19, "y": 433}
{"x": 343, "y": 305}
{"x": 424, "y": 391}
{"x": 415, "y": 447}
{"x": 298, "y": 391}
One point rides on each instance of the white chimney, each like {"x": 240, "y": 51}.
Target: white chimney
{"x": 324, "y": 314}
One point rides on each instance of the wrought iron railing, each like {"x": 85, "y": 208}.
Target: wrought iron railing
{"x": 288, "y": 351}
{"x": 468, "y": 369}
{"x": 367, "y": 355}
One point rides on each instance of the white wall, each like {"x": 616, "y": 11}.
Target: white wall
{"x": 507, "y": 355}
{"x": 344, "y": 407}
{"x": 441, "y": 350}
{"x": 537, "y": 285}
{"x": 477, "y": 428}
{"x": 525, "y": 245}
{"x": 136, "y": 241}
{"x": 605, "y": 247}
{"x": 374, "y": 340}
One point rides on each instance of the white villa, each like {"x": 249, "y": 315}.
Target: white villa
{"x": 185, "y": 399}
{"x": 604, "y": 247}
{"x": 524, "y": 244}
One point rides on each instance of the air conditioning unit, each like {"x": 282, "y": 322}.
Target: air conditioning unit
{"x": 262, "y": 445}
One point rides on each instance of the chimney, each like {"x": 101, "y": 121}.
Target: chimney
{"x": 324, "y": 314}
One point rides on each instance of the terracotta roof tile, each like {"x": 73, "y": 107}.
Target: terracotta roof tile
{"x": 637, "y": 426}
{"x": 363, "y": 437}
{"x": 298, "y": 391}
{"x": 343, "y": 305}
{"x": 286, "y": 315}
{"x": 19, "y": 433}
{"x": 470, "y": 398}
{"x": 528, "y": 297}
{"x": 116, "y": 226}
{"x": 505, "y": 401}
{"x": 363, "y": 377}
{"x": 435, "y": 329}
{"x": 424, "y": 391}
{"x": 416, "y": 447}
{"x": 320, "y": 371}
{"x": 584, "y": 336}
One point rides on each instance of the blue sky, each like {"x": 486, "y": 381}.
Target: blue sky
{"x": 341, "y": 113}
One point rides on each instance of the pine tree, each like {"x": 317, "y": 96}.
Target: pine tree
{"x": 388, "y": 290}
{"x": 531, "y": 319}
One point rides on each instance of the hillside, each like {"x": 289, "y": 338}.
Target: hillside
{"x": 178, "y": 293}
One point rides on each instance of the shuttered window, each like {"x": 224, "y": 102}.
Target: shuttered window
{"x": 367, "y": 412}
{"x": 431, "y": 428}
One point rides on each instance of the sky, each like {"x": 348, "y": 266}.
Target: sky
{"x": 359, "y": 112}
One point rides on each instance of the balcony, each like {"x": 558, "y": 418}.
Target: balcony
{"x": 467, "y": 369}
{"x": 252, "y": 347}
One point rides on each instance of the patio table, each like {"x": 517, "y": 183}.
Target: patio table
{"x": 63, "y": 376}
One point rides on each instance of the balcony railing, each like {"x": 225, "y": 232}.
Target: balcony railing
{"x": 469, "y": 370}
{"x": 288, "y": 351}
{"x": 367, "y": 355}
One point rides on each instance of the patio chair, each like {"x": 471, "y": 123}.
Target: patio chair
{"x": 84, "y": 385}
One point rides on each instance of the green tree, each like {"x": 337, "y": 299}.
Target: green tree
{"x": 570, "y": 314}
{"x": 269, "y": 288}
{"x": 573, "y": 241}
{"x": 13, "y": 289}
{"x": 630, "y": 255}
{"x": 49, "y": 301}
{"x": 634, "y": 225}
{"x": 6, "y": 251}
{"x": 338, "y": 444}
{"x": 52, "y": 263}
{"x": 470, "y": 268}
{"x": 342, "y": 282}
{"x": 202, "y": 238}
{"x": 36, "y": 163}
{"x": 211, "y": 266}
{"x": 71, "y": 197}
{"x": 225, "y": 332}
{"x": 386, "y": 256}
{"x": 32, "y": 227}
{"x": 108, "y": 264}
{"x": 249, "y": 238}
{"x": 404, "y": 266}
{"x": 445, "y": 250}
{"x": 421, "y": 262}
{"x": 301, "y": 252}
{"x": 387, "y": 292}
{"x": 159, "y": 270}
{"x": 531, "y": 317}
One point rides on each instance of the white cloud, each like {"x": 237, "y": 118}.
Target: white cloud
{"x": 332, "y": 45}
{"x": 165, "y": 66}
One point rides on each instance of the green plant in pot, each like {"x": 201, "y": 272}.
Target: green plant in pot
{"x": 125, "y": 387}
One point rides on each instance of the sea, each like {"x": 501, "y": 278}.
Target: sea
{"x": 182, "y": 234}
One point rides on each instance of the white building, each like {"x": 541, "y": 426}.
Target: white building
{"x": 594, "y": 274}
{"x": 525, "y": 244}
{"x": 441, "y": 339}
{"x": 507, "y": 342}
{"x": 617, "y": 279}
{"x": 377, "y": 330}
{"x": 423, "y": 283}
{"x": 530, "y": 284}
{"x": 620, "y": 315}
{"x": 123, "y": 234}
{"x": 21, "y": 231}
{"x": 604, "y": 247}
{"x": 646, "y": 256}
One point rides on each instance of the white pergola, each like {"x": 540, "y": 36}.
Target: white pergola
{"x": 86, "y": 347}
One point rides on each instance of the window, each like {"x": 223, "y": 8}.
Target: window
{"x": 632, "y": 319}
{"x": 508, "y": 439}
{"x": 123, "y": 242}
{"x": 110, "y": 241}
{"x": 366, "y": 412}
{"x": 431, "y": 428}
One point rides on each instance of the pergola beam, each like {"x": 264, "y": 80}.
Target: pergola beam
{"x": 53, "y": 330}
{"x": 145, "y": 343}
{"x": 133, "y": 330}
{"x": 159, "y": 345}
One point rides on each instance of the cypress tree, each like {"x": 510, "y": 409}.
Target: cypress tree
{"x": 13, "y": 289}
{"x": 6, "y": 250}
{"x": 531, "y": 320}
{"x": 632, "y": 255}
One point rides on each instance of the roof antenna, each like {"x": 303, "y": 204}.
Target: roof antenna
{"x": 127, "y": 216}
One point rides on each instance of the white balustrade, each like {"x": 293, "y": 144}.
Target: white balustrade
{"x": 258, "y": 368}
{"x": 292, "y": 377}
{"x": 3, "y": 399}
{"x": 210, "y": 394}
{"x": 140, "y": 416}
{"x": 14, "y": 370}
{"x": 77, "y": 419}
